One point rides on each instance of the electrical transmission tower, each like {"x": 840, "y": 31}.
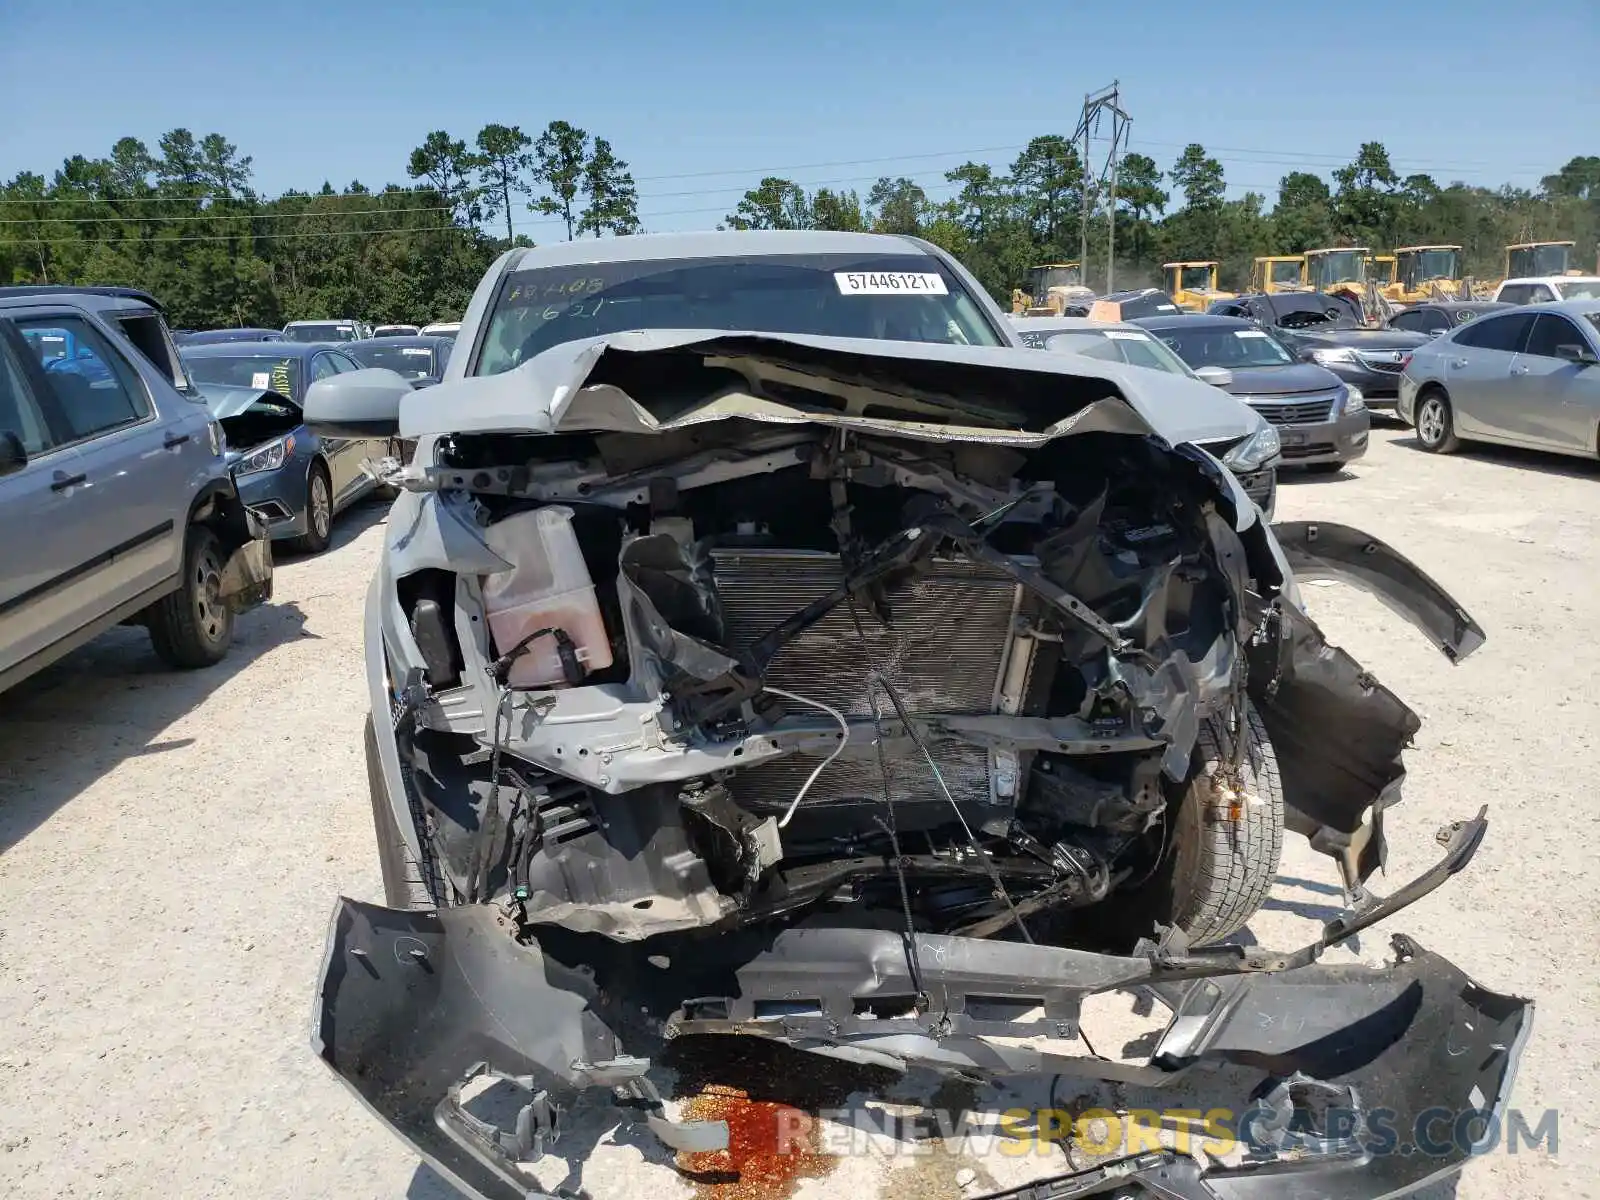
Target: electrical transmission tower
{"x": 1096, "y": 108}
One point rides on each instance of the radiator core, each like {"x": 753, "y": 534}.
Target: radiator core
{"x": 944, "y": 650}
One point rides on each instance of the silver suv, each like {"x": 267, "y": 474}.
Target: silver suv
{"x": 116, "y": 503}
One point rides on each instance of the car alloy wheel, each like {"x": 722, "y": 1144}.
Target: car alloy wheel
{"x": 321, "y": 506}
{"x": 1431, "y": 421}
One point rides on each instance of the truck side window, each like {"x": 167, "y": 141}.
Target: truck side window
{"x": 19, "y": 411}
{"x": 97, "y": 389}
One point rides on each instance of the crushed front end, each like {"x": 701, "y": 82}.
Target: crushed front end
{"x": 883, "y": 706}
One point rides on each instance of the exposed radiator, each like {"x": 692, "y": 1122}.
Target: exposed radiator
{"x": 944, "y": 652}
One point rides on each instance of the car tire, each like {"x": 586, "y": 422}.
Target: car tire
{"x": 192, "y": 627}
{"x": 1227, "y": 838}
{"x": 404, "y": 883}
{"x": 1436, "y": 423}
{"x": 319, "y": 511}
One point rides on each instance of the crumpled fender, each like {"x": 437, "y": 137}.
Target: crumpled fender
{"x": 1322, "y": 550}
{"x": 1338, "y": 732}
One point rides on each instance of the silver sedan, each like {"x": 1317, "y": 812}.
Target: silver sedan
{"x": 1522, "y": 377}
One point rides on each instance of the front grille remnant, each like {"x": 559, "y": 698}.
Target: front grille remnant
{"x": 1287, "y": 411}
{"x": 944, "y": 650}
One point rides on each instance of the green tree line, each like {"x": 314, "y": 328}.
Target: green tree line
{"x": 184, "y": 221}
{"x": 1000, "y": 220}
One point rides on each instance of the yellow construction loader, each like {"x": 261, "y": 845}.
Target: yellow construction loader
{"x": 1278, "y": 273}
{"x": 1381, "y": 271}
{"x": 1424, "y": 273}
{"x": 1193, "y": 285}
{"x": 1051, "y": 287}
{"x": 1338, "y": 270}
{"x": 1529, "y": 259}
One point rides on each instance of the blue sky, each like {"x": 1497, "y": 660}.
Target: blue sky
{"x": 702, "y": 98}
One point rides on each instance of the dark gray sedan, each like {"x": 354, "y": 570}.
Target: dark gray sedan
{"x": 1522, "y": 377}
{"x": 1322, "y": 421}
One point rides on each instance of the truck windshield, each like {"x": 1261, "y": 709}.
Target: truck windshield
{"x": 1286, "y": 272}
{"x": 1539, "y": 260}
{"x": 1341, "y": 266}
{"x": 1433, "y": 264}
{"x": 903, "y": 298}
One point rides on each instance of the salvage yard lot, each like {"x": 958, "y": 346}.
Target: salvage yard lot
{"x": 171, "y": 845}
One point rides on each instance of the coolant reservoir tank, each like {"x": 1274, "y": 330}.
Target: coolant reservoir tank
{"x": 548, "y": 587}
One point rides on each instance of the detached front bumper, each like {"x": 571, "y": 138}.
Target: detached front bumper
{"x": 1349, "y": 1063}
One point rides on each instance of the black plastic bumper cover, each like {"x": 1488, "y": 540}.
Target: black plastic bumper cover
{"x": 410, "y": 1004}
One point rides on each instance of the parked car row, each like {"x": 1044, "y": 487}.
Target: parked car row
{"x": 340, "y": 329}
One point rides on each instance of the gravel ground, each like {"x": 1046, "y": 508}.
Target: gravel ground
{"x": 170, "y": 847}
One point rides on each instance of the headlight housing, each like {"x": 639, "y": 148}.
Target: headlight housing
{"x": 265, "y": 458}
{"x": 1354, "y": 401}
{"x": 1340, "y": 356}
{"x": 1260, "y": 448}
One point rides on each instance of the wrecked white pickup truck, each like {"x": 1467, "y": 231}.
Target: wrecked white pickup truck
{"x": 880, "y": 696}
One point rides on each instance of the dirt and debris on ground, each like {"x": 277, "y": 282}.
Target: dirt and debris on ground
{"x": 171, "y": 844}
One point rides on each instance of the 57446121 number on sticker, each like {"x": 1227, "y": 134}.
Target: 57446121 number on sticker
{"x": 890, "y": 283}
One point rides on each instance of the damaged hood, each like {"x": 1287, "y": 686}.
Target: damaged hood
{"x": 1000, "y": 394}
{"x": 228, "y": 402}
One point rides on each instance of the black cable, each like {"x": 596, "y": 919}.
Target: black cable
{"x": 571, "y": 669}
{"x": 990, "y": 869}
{"x": 913, "y": 958}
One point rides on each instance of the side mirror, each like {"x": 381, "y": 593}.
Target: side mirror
{"x": 1306, "y": 356}
{"x": 1574, "y": 352}
{"x": 357, "y": 404}
{"x": 13, "y": 455}
{"x": 1215, "y": 376}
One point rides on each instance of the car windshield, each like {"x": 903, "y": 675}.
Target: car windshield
{"x": 1135, "y": 348}
{"x": 261, "y": 372}
{"x": 1339, "y": 266}
{"x": 1231, "y": 348}
{"x": 1580, "y": 289}
{"x": 1194, "y": 279}
{"x": 904, "y": 297}
{"x": 414, "y": 362}
{"x": 321, "y": 331}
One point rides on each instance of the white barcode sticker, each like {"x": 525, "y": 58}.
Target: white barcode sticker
{"x": 890, "y": 283}
{"x": 261, "y": 381}
{"x": 414, "y": 351}
{"x": 1248, "y": 333}
{"x": 1127, "y": 335}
